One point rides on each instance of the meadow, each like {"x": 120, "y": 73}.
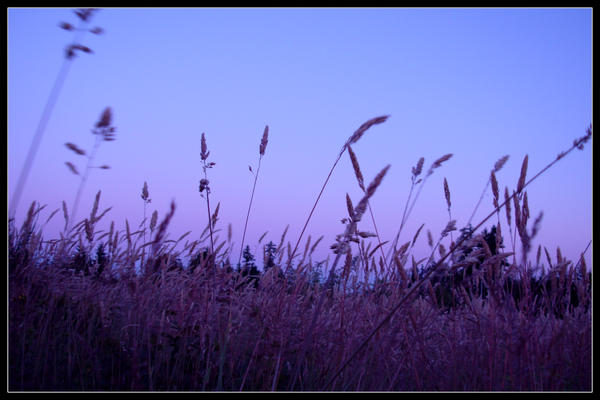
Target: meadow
{"x": 100, "y": 308}
{"x": 132, "y": 310}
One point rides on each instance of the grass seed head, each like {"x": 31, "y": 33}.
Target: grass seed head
{"x": 416, "y": 170}
{"x": 525, "y": 212}
{"x": 95, "y": 207}
{"x": 507, "y": 204}
{"x": 494, "y": 188}
{"x": 356, "y": 167}
{"x": 523, "y": 175}
{"x": 579, "y": 143}
{"x": 451, "y": 226}
{"x": 417, "y": 234}
{"x": 438, "y": 163}
{"x": 264, "y": 141}
{"x": 362, "y": 205}
{"x": 363, "y": 128}
{"x": 203, "y": 148}
{"x": 447, "y": 192}
{"x": 145, "y": 194}
{"x": 65, "y": 213}
{"x": 349, "y": 206}
{"x": 72, "y": 168}
{"x": 559, "y": 258}
{"x": 442, "y": 250}
{"x": 75, "y": 149}
{"x": 162, "y": 228}
{"x": 153, "y": 220}
{"x": 403, "y": 249}
{"x": 105, "y": 118}
{"x": 500, "y": 163}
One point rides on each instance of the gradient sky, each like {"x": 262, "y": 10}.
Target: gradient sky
{"x": 478, "y": 83}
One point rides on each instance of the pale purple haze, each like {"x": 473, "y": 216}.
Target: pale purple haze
{"x": 477, "y": 83}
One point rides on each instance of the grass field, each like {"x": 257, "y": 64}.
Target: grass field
{"x": 128, "y": 310}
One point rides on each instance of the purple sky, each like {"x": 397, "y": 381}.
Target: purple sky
{"x": 478, "y": 83}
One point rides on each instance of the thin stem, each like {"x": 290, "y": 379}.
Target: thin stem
{"x": 378, "y": 237}
{"x": 402, "y": 222}
{"x": 344, "y": 247}
{"x": 210, "y": 227}
{"x": 144, "y": 230}
{"x": 37, "y": 138}
{"x": 584, "y": 251}
{"x": 291, "y": 256}
{"x": 479, "y": 202}
{"x": 353, "y": 139}
{"x": 249, "y": 206}
{"x": 84, "y": 178}
{"x": 412, "y": 205}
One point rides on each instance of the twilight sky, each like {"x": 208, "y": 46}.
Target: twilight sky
{"x": 478, "y": 83}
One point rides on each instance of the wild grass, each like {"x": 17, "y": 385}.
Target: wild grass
{"x": 84, "y": 16}
{"x": 114, "y": 312}
{"x": 261, "y": 151}
{"x": 103, "y": 132}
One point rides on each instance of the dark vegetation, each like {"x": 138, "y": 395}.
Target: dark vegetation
{"x": 85, "y": 322}
{"x": 120, "y": 310}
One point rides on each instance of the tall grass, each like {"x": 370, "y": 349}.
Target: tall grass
{"x": 261, "y": 151}
{"x": 464, "y": 320}
{"x": 103, "y": 132}
{"x": 84, "y": 16}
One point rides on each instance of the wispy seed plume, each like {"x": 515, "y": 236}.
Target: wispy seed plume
{"x": 363, "y": 128}
{"x": 500, "y": 163}
{"x": 356, "y": 167}
{"x": 72, "y": 167}
{"x": 105, "y": 118}
{"x": 416, "y": 170}
{"x": 438, "y": 163}
{"x": 362, "y": 205}
{"x": 162, "y": 229}
{"x": 523, "y": 174}
{"x": 507, "y": 204}
{"x": 75, "y": 149}
{"x": 447, "y": 192}
{"x": 349, "y": 206}
{"x": 203, "y": 148}
{"x": 264, "y": 141}
{"x": 494, "y": 188}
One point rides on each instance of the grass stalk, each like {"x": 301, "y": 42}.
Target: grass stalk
{"x": 578, "y": 143}
{"x": 261, "y": 152}
{"x": 351, "y": 140}
{"x": 84, "y": 16}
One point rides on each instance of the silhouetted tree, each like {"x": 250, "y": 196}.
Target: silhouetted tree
{"x": 101, "y": 259}
{"x": 249, "y": 272}
{"x": 202, "y": 259}
{"x": 316, "y": 274}
{"x": 81, "y": 261}
{"x": 175, "y": 264}
{"x": 270, "y": 250}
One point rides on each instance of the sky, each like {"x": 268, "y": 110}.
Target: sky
{"x": 477, "y": 83}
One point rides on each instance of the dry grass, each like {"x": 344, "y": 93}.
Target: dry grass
{"x": 462, "y": 319}
{"x": 351, "y": 140}
{"x": 85, "y": 15}
{"x": 261, "y": 152}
